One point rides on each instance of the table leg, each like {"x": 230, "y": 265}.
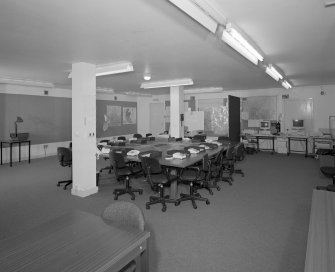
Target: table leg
{"x": 257, "y": 143}
{"x": 1, "y": 153}
{"x": 289, "y": 147}
{"x": 174, "y": 190}
{"x": 29, "y": 151}
{"x": 145, "y": 259}
{"x": 10, "y": 154}
{"x": 306, "y": 152}
{"x": 273, "y": 145}
{"x": 19, "y": 152}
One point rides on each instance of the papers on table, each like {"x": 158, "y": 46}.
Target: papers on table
{"x": 105, "y": 150}
{"x": 193, "y": 150}
{"x": 204, "y": 146}
{"x": 179, "y": 155}
{"x": 133, "y": 152}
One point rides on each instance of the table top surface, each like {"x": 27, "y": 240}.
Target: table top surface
{"x": 15, "y": 141}
{"x": 165, "y": 146}
{"x": 76, "y": 241}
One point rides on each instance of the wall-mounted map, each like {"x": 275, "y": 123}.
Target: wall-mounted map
{"x": 129, "y": 115}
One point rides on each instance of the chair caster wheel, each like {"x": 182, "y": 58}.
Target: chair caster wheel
{"x": 140, "y": 192}
{"x": 211, "y": 193}
{"x": 115, "y": 197}
{"x": 207, "y": 202}
{"x": 164, "y": 209}
{"x": 147, "y": 207}
{"x": 218, "y": 188}
{"x": 132, "y": 198}
{"x": 177, "y": 203}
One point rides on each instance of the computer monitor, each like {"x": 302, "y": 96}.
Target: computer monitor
{"x": 264, "y": 125}
{"x": 297, "y": 124}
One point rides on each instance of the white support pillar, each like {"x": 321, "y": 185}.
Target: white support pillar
{"x": 83, "y": 129}
{"x": 176, "y": 109}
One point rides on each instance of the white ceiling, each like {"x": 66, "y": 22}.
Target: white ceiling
{"x": 40, "y": 39}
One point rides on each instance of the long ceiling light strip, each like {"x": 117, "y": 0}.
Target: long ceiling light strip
{"x": 286, "y": 85}
{"x": 203, "y": 90}
{"x": 272, "y": 72}
{"x": 196, "y": 13}
{"x": 26, "y": 82}
{"x": 167, "y": 83}
{"x": 111, "y": 69}
{"x": 234, "y": 39}
{"x": 227, "y": 38}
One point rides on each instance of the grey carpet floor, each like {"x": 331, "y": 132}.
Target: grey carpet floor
{"x": 260, "y": 223}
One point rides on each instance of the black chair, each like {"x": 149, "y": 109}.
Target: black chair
{"x": 198, "y": 138}
{"x": 238, "y": 156}
{"x": 148, "y": 134}
{"x": 227, "y": 165}
{"x": 329, "y": 172}
{"x": 123, "y": 138}
{"x": 195, "y": 177}
{"x": 124, "y": 215}
{"x": 64, "y": 155}
{"x": 216, "y": 170}
{"x": 123, "y": 172}
{"x": 158, "y": 178}
{"x": 109, "y": 168}
{"x": 137, "y": 135}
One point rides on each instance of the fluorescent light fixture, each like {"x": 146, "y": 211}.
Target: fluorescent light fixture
{"x": 26, "y": 82}
{"x": 286, "y": 85}
{"x": 167, "y": 83}
{"x": 198, "y": 14}
{"x": 272, "y": 72}
{"x": 111, "y": 69}
{"x": 137, "y": 94}
{"x": 203, "y": 90}
{"x": 105, "y": 90}
{"x": 147, "y": 76}
{"x": 236, "y": 41}
{"x": 329, "y": 4}
{"x": 211, "y": 10}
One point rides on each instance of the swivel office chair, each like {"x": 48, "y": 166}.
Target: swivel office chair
{"x": 194, "y": 177}
{"x": 137, "y": 135}
{"x": 123, "y": 172}
{"x": 228, "y": 165}
{"x": 158, "y": 178}
{"x": 238, "y": 156}
{"x": 64, "y": 155}
{"x": 125, "y": 214}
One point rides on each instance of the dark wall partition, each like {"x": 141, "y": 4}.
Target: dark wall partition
{"x": 234, "y": 118}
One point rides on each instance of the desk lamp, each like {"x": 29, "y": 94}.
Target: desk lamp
{"x": 18, "y": 120}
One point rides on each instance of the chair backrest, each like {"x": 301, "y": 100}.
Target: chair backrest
{"x": 239, "y": 152}
{"x": 64, "y": 155}
{"x": 121, "y": 138}
{"x": 137, "y": 135}
{"x": 151, "y": 165}
{"x": 148, "y": 134}
{"x": 230, "y": 152}
{"x": 104, "y": 141}
{"x": 117, "y": 160}
{"x": 124, "y": 214}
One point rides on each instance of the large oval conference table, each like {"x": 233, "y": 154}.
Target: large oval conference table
{"x": 166, "y": 161}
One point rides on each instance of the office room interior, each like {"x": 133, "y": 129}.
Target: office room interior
{"x": 83, "y": 71}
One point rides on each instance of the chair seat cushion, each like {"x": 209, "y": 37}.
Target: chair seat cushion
{"x": 123, "y": 171}
{"x": 331, "y": 188}
{"x": 161, "y": 178}
{"x": 328, "y": 171}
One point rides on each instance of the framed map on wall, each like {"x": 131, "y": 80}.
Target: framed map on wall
{"x": 129, "y": 115}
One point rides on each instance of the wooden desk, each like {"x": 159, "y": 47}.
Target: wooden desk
{"x": 321, "y": 233}
{"x": 11, "y": 143}
{"x": 76, "y": 242}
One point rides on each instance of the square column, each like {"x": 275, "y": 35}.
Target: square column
{"x": 176, "y": 109}
{"x": 83, "y": 129}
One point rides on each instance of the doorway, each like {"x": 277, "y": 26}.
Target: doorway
{"x": 157, "y": 118}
